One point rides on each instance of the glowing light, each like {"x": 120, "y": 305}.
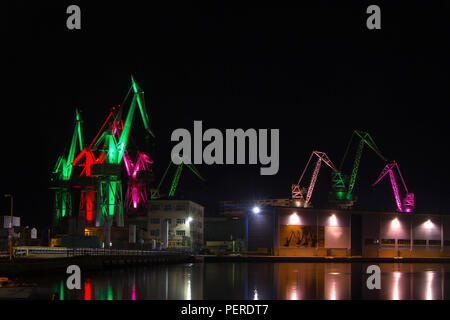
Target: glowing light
{"x": 293, "y": 295}
{"x": 333, "y": 220}
{"x": 395, "y": 288}
{"x": 429, "y": 292}
{"x": 133, "y": 293}
{"x": 333, "y": 290}
{"x": 189, "y": 219}
{"x": 87, "y": 289}
{"x": 256, "y": 209}
{"x": 395, "y": 223}
{"x": 428, "y": 224}
{"x": 294, "y": 219}
{"x": 255, "y": 294}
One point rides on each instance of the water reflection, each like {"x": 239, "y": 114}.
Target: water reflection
{"x": 260, "y": 281}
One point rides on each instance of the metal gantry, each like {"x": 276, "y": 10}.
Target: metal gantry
{"x": 155, "y": 193}
{"x": 341, "y": 196}
{"x": 302, "y": 196}
{"x": 100, "y": 178}
{"x": 62, "y": 173}
{"x": 407, "y": 203}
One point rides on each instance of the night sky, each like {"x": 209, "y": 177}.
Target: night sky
{"x": 312, "y": 70}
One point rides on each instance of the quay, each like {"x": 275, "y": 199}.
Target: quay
{"x": 40, "y": 260}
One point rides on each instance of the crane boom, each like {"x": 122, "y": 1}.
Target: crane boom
{"x": 407, "y": 205}
{"x": 298, "y": 193}
{"x": 343, "y": 195}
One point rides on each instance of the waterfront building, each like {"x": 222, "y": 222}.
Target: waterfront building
{"x": 176, "y": 224}
{"x": 290, "y": 231}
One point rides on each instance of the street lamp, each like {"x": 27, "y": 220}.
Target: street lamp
{"x": 11, "y": 228}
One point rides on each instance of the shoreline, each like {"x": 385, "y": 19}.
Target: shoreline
{"x": 322, "y": 259}
{"x": 29, "y": 266}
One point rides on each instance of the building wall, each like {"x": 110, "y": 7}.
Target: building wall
{"x": 406, "y": 235}
{"x": 320, "y": 232}
{"x": 182, "y": 233}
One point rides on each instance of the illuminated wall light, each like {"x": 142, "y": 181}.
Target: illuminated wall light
{"x": 333, "y": 220}
{"x": 294, "y": 219}
{"x": 256, "y": 209}
{"x": 395, "y": 224}
{"x": 189, "y": 219}
{"x": 428, "y": 224}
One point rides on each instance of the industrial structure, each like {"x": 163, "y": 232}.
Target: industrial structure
{"x": 293, "y": 231}
{"x": 94, "y": 176}
{"x": 117, "y": 192}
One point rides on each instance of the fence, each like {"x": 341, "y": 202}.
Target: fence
{"x": 71, "y": 252}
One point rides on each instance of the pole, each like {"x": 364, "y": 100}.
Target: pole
{"x": 12, "y": 231}
{"x": 11, "y": 228}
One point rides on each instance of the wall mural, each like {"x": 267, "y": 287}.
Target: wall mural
{"x": 301, "y": 236}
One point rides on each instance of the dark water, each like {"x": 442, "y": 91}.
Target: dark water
{"x": 258, "y": 281}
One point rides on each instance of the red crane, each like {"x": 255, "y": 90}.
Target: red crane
{"x": 407, "y": 203}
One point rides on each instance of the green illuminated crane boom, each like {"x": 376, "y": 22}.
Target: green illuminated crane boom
{"x": 176, "y": 178}
{"x": 343, "y": 197}
{"x": 63, "y": 171}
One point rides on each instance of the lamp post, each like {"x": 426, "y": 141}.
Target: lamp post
{"x": 11, "y": 228}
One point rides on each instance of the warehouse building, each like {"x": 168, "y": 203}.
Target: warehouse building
{"x": 293, "y": 231}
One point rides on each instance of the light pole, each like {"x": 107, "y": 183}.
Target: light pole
{"x": 11, "y": 228}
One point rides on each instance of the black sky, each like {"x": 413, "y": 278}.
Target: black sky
{"x": 311, "y": 69}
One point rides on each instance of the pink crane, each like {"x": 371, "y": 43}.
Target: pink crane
{"x": 302, "y": 196}
{"x": 407, "y": 205}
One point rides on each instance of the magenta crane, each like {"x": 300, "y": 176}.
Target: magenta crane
{"x": 407, "y": 205}
{"x": 137, "y": 185}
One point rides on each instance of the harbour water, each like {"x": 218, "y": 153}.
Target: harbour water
{"x": 285, "y": 281}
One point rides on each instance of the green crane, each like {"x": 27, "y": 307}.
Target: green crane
{"x": 342, "y": 194}
{"x": 62, "y": 173}
{"x": 155, "y": 194}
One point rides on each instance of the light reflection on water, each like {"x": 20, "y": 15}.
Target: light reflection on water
{"x": 259, "y": 281}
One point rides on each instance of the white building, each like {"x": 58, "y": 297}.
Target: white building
{"x": 176, "y": 223}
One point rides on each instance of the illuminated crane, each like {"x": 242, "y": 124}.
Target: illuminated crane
{"x": 302, "y": 196}
{"x": 110, "y": 146}
{"x": 139, "y": 178}
{"x": 405, "y": 205}
{"x": 155, "y": 193}
{"x": 62, "y": 174}
{"x": 343, "y": 196}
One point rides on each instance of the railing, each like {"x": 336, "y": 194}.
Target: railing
{"x": 25, "y": 251}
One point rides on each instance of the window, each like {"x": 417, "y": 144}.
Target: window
{"x": 404, "y": 242}
{"x": 155, "y": 207}
{"x": 167, "y": 207}
{"x": 446, "y": 242}
{"x": 154, "y": 233}
{"x": 388, "y": 242}
{"x": 181, "y": 221}
{"x": 154, "y": 221}
{"x": 370, "y": 241}
{"x": 180, "y": 233}
{"x": 420, "y": 242}
{"x": 434, "y": 242}
{"x": 180, "y": 207}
